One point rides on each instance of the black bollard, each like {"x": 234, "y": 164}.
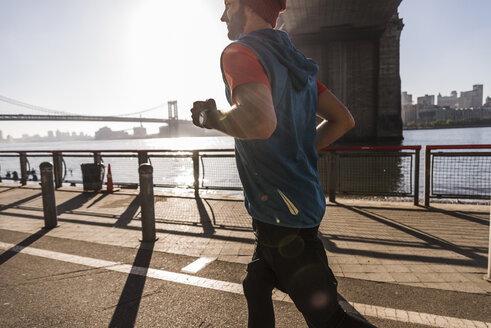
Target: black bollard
{"x": 147, "y": 202}
{"x": 48, "y": 192}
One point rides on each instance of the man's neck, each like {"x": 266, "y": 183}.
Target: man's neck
{"x": 255, "y": 25}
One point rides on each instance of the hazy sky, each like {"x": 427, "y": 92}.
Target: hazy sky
{"x": 107, "y": 57}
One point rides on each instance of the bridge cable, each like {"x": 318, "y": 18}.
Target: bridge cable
{"x": 58, "y": 112}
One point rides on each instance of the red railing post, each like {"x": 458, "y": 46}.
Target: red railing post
{"x": 416, "y": 176}
{"x": 427, "y": 173}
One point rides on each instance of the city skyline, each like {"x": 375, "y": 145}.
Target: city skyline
{"x": 121, "y": 56}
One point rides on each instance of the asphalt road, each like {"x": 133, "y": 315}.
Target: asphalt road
{"x": 41, "y": 292}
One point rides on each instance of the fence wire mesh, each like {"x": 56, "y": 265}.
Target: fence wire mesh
{"x": 219, "y": 172}
{"x": 461, "y": 175}
{"x": 363, "y": 173}
{"x": 172, "y": 171}
{"x": 8, "y": 165}
{"x": 72, "y": 171}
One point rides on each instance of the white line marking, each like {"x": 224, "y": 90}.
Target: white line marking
{"x": 180, "y": 278}
{"x": 198, "y": 264}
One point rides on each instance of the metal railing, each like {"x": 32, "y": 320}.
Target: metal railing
{"x": 457, "y": 171}
{"x": 448, "y": 172}
{"x": 371, "y": 171}
{"x": 213, "y": 169}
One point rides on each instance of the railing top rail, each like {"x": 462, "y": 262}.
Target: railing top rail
{"x": 119, "y": 151}
{"x": 336, "y": 148}
{"x": 352, "y": 148}
{"x": 429, "y": 147}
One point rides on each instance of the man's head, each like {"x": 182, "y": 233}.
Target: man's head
{"x": 239, "y": 13}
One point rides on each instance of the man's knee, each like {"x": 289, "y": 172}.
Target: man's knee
{"x": 254, "y": 285}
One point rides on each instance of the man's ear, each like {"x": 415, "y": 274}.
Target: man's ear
{"x": 248, "y": 11}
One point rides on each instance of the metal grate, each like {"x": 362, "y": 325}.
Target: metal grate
{"x": 459, "y": 174}
{"x": 368, "y": 173}
{"x": 219, "y": 171}
{"x": 8, "y": 164}
{"x": 173, "y": 170}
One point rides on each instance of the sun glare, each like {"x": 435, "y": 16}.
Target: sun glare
{"x": 173, "y": 45}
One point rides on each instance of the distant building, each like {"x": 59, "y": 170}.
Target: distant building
{"x": 406, "y": 99}
{"x": 408, "y": 111}
{"x": 139, "y": 132}
{"x": 106, "y": 133}
{"x": 1, "y": 135}
{"x": 471, "y": 98}
{"x": 487, "y": 104}
{"x": 448, "y": 101}
{"x": 51, "y": 134}
{"x": 426, "y": 100}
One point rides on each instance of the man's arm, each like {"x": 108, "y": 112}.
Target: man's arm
{"x": 253, "y": 116}
{"x": 337, "y": 120}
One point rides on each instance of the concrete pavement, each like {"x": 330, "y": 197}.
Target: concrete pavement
{"x": 441, "y": 249}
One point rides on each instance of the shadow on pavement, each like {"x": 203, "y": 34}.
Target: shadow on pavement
{"x": 102, "y": 224}
{"x": 7, "y": 255}
{"x": 7, "y": 188}
{"x": 431, "y": 242}
{"x": 460, "y": 215}
{"x": 20, "y": 201}
{"x": 205, "y": 220}
{"x": 75, "y": 202}
{"x": 129, "y": 301}
{"x": 129, "y": 213}
{"x": 101, "y": 197}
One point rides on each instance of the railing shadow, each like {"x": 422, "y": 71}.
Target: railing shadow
{"x": 433, "y": 242}
{"x": 101, "y": 197}
{"x": 129, "y": 302}
{"x": 75, "y": 202}
{"x": 204, "y": 218}
{"x": 158, "y": 230}
{"x": 6, "y": 189}
{"x": 8, "y": 254}
{"x": 129, "y": 213}
{"x": 20, "y": 201}
{"x": 460, "y": 215}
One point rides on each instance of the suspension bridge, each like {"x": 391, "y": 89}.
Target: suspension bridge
{"x": 10, "y": 111}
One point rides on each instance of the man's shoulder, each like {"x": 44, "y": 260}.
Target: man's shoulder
{"x": 235, "y": 48}
{"x": 235, "y": 51}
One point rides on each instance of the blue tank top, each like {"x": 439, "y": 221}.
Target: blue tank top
{"x": 279, "y": 175}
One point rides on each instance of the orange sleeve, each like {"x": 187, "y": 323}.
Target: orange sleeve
{"x": 241, "y": 65}
{"x": 320, "y": 88}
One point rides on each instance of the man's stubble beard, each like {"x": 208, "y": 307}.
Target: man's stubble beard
{"x": 237, "y": 23}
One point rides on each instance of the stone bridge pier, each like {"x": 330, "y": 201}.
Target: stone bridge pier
{"x": 356, "y": 44}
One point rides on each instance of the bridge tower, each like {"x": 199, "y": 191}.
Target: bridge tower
{"x": 356, "y": 44}
{"x": 173, "y": 118}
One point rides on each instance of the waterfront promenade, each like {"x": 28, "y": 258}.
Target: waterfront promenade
{"x": 398, "y": 265}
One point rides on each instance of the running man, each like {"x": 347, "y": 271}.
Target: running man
{"x": 275, "y": 98}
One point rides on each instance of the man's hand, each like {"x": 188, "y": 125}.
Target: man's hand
{"x": 199, "y": 106}
{"x": 252, "y": 117}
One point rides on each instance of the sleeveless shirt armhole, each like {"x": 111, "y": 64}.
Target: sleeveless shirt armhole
{"x": 241, "y": 66}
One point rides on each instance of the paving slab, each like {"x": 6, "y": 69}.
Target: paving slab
{"x": 442, "y": 247}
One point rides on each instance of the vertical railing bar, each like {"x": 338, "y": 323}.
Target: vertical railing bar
{"x": 196, "y": 172}
{"x": 427, "y": 174}
{"x": 332, "y": 176}
{"x": 23, "y": 168}
{"x": 416, "y": 176}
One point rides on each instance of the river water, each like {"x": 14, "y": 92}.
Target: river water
{"x": 180, "y": 171}
{"x": 460, "y": 136}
